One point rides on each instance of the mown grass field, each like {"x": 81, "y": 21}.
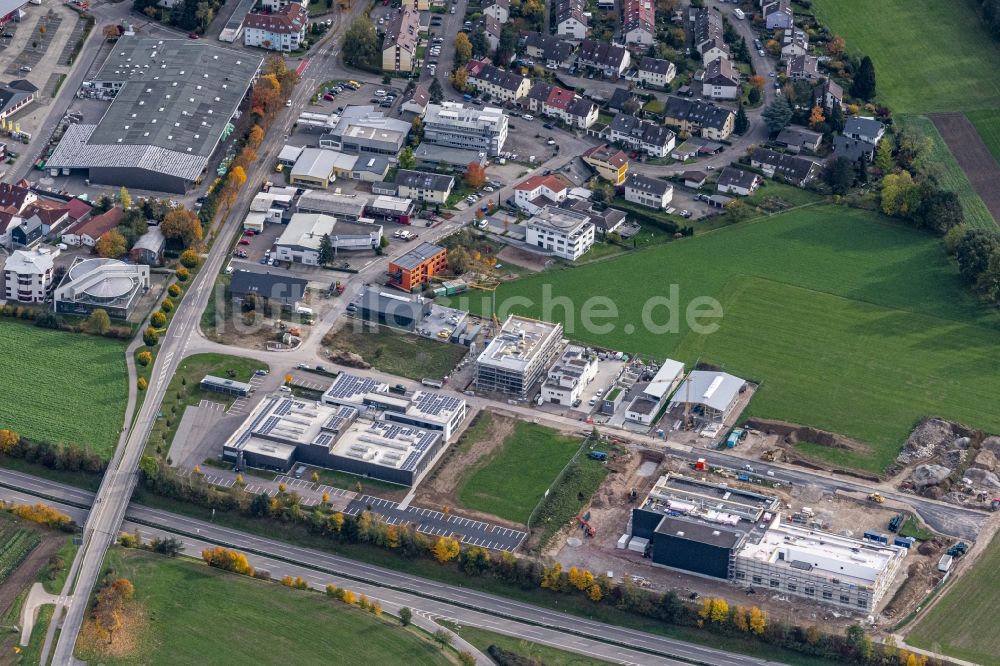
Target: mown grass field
{"x": 62, "y": 387}
{"x": 987, "y": 124}
{"x": 963, "y": 622}
{"x": 852, "y": 323}
{"x": 544, "y": 654}
{"x": 512, "y": 481}
{"x": 929, "y": 55}
{"x": 192, "y": 614}
{"x": 949, "y": 174}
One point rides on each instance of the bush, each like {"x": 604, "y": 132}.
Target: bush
{"x": 167, "y": 305}
{"x": 142, "y": 384}
{"x": 174, "y": 290}
{"x": 183, "y": 274}
{"x": 190, "y": 258}
{"x": 159, "y": 319}
{"x": 144, "y": 358}
{"x": 150, "y": 337}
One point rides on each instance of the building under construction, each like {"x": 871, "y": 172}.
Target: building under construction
{"x": 517, "y": 358}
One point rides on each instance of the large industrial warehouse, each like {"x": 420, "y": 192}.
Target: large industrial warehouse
{"x": 718, "y": 531}
{"x": 173, "y": 102}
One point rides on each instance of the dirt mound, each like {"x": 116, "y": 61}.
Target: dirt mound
{"x": 992, "y": 444}
{"x": 986, "y": 460}
{"x": 930, "y": 475}
{"x": 926, "y": 440}
{"x": 793, "y": 434}
{"x": 348, "y": 359}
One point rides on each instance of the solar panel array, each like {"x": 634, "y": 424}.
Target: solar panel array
{"x": 348, "y": 386}
{"x": 323, "y": 439}
{"x": 436, "y": 403}
{"x": 338, "y": 421}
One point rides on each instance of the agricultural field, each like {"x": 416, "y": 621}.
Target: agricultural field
{"x": 929, "y": 55}
{"x": 62, "y": 387}
{"x": 949, "y": 174}
{"x": 963, "y": 622}
{"x": 511, "y": 482}
{"x": 851, "y": 322}
{"x": 987, "y": 124}
{"x": 398, "y": 353}
{"x": 178, "y": 605}
{"x": 16, "y": 543}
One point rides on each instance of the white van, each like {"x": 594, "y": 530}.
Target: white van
{"x": 738, "y": 13}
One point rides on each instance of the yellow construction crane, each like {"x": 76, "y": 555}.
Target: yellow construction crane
{"x": 486, "y": 282}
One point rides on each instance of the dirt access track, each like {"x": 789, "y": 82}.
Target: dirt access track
{"x": 973, "y": 156}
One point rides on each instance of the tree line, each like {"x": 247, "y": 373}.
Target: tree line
{"x": 526, "y": 573}
{"x": 62, "y": 457}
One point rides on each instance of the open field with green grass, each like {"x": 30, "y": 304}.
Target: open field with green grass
{"x": 929, "y": 55}
{"x": 182, "y": 604}
{"x": 398, "y": 353}
{"x": 789, "y": 195}
{"x": 963, "y": 622}
{"x": 512, "y": 481}
{"x": 550, "y": 656}
{"x": 987, "y": 124}
{"x": 62, "y": 387}
{"x": 950, "y": 175}
{"x": 853, "y": 323}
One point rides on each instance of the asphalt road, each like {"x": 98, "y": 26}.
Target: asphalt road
{"x": 466, "y": 607}
{"x": 435, "y": 523}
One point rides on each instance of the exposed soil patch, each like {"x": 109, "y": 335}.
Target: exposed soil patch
{"x": 25, "y": 575}
{"x": 529, "y": 260}
{"x": 484, "y": 434}
{"x": 787, "y": 435}
{"x": 972, "y": 155}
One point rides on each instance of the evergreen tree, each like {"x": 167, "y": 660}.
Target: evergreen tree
{"x": 325, "y": 250}
{"x": 742, "y": 124}
{"x": 863, "y": 86}
{"x": 778, "y": 114}
{"x": 836, "y": 119}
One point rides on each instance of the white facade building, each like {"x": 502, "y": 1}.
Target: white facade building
{"x": 565, "y": 233}
{"x": 570, "y": 375}
{"x": 281, "y": 30}
{"x": 537, "y": 192}
{"x": 28, "y": 275}
{"x": 453, "y": 125}
{"x": 646, "y": 191}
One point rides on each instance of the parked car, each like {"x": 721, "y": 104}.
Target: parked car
{"x": 528, "y": 116}
{"x": 244, "y": 241}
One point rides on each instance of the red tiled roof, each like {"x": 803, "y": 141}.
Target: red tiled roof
{"x": 560, "y": 98}
{"x": 97, "y": 226}
{"x": 49, "y": 214}
{"x": 554, "y": 183}
{"x": 77, "y": 208}
{"x": 5, "y": 220}
{"x": 290, "y": 19}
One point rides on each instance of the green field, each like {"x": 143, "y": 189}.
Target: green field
{"x": 963, "y": 622}
{"x": 987, "y": 124}
{"x": 511, "y": 482}
{"x": 62, "y": 387}
{"x": 398, "y": 353}
{"x": 550, "y": 656}
{"x": 949, "y": 174}
{"x": 16, "y": 543}
{"x": 852, "y": 323}
{"x": 929, "y": 55}
{"x": 198, "y": 615}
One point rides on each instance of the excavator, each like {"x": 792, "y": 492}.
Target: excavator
{"x": 876, "y": 497}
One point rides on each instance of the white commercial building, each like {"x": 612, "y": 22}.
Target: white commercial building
{"x": 567, "y": 234}
{"x": 645, "y": 406}
{"x": 516, "y": 359}
{"x": 826, "y": 567}
{"x": 301, "y": 240}
{"x": 570, "y": 375}
{"x": 453, "y": 125}
{"x": 28, "y": 275}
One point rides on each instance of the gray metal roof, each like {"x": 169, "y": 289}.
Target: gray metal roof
{"x": 176, "y": 98}
{"x": 714, "y": 389}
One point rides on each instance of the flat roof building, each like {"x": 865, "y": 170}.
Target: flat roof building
{"x": 397, "y": 209}
{"x": 108, "y": 284}
{"x": 566, "y": 380}
{"x": 283, "y": 431}
{"x": 317, "y": 167}
{"x": 517, "y": 358}
{"x": 303, "y": 237}
{"x": 392, "y": 308}
{"x": 225, "y": 386}
{"x": 645, "y": 406}
{"x": 415, "y": 268}
{"x": 173, "y": 102}
{"x": 347, "y": 207}
{"x": 563, "y": 232}
{"x": 361, "y": 130}
{"x": 453, "y": 125}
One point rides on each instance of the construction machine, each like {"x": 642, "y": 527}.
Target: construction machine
{"x": 876, "y": 497}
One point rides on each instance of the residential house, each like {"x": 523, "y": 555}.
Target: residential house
{"x": 8, "y": 222}
{"x": 87, "y": 232}
{"x": 28, "y": 275}
{"x": 721, "y": 80}
{"x": 423, "y": 186}
{"x": 51, "y": 214}
{"x": 148, "y": 249}
{"x": 649, "y": 192}
{"x": 707, "y": 35}
{"x": 656, "y": 72}
{"x": 566, "y": 233}
{"x": 852, "y": 149}
{"x": 827, "y": 93}
{"x": 560, "y": 103}
{"x": 281, "y": 30}
{"x": 491, "y": 28}
{"x": 864, "y": 129}
{"x": 695, "y": 117}
{"x": 738, "y": 181}
{"x": 14, "y": 198}
{"x": 550, "y": 49}
{"x": 417, "y": 5}
{"x": 417, "y": 101}
{"x": 694, "y": 179}
{"x": 500, "y": 84}
{"x": 796, "y": 44}
{"x": 27, "y": 233}
{"x": 537, "y": 192}
{"x": 15, "y": 96}
{"x": 804, "y": 67}
{"x": 624, "y": 100}
{"x": 611, "y": 59}
{"x": 605, "y": 221}
{"x": 581, "y": 113}
{"x": 639, "y": 22}
{"x": 498, "y": 9}
{"x": 796, "y": 170}
{"x": 571, "y": 19}
{"x": 416, "y": 268}
{"x": 778, "y": 15}
{"x": 796, "y": 139}
{"x": 611, "y": 164}
{"x": 651, "y": 138}
{"x": 399, "y": 46}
